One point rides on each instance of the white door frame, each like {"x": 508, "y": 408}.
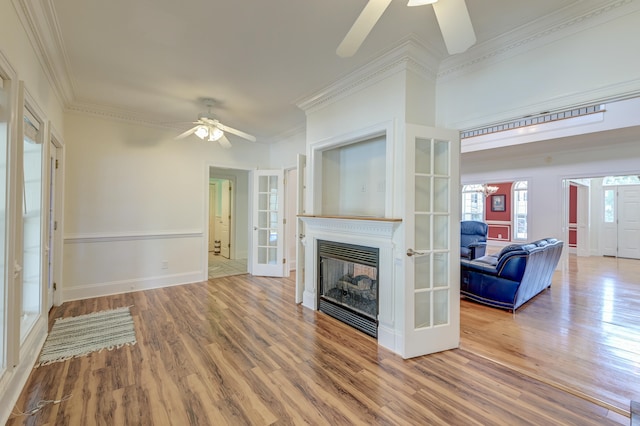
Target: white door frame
{"x": 217, "y": 172}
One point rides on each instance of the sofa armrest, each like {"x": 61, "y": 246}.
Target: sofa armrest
{"x": 477, "y": 249}
{"x": 482, "y": 265}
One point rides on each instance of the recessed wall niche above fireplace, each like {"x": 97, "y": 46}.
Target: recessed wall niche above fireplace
{"x": 348, "y": 284}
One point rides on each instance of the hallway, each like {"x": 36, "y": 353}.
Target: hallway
{"x": 222, "y": 267}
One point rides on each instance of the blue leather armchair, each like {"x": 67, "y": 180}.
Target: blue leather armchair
{"x": 473, "y": 239}
{"x": 513, "y": 276}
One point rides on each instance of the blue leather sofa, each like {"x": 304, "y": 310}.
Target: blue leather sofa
{"x": 473, "y": 239}
{"x": 511, "y": 277}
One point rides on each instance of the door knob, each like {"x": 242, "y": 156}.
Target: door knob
{"x": 412, "y": 252}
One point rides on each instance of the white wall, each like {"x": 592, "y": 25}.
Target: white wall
{"x": 16, "y": 47}
{"x": 543, "y": 72}
{"x": 353, "y": 179}
{"x": 545, "y": 168}
{"x": 134, "y": 198}
{"x": 284, "y": 152}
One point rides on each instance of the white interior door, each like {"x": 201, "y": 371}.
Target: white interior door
{"x": 629, "y": 221}
{"x": 300, "y": 236}
{"x": 225, "y": 219}
{"x": 268, "y": 226}
{"x": 431, "y": 264}
{"x": 213, "y": 197}
{"x": 291, "y": 212}
{"x": 583, "y": 237}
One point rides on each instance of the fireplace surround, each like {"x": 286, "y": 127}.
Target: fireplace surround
{"x": 373, "y": 233}
{"x": 348, "y": 284}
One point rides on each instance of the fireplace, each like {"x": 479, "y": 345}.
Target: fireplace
{"x": 348, "y": 284}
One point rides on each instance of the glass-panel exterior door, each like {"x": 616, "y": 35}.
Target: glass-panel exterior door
{"x": 31, "y": 226}
{"x": 432, "y": 241}
{"x": 268, "y": 226}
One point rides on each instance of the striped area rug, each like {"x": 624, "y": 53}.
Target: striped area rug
{"x": 78, "y": 336}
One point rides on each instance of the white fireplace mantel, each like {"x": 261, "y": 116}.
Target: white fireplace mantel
{"x": 372, "y": 227}
{"x": 363, "y": 231}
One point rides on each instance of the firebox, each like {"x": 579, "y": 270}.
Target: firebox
{"x": 348, "y": 284}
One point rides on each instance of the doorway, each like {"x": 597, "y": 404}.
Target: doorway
{"x": 220, "y": 195}
{"x": 227, "y": 222}
{"x": 603, "y": 216}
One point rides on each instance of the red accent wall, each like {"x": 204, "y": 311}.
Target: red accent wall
{"x": 503, "y": 189}
{"x": 573, "y": 204}
{"x": 498, "y": 231}
{"x": 573, "y": 215}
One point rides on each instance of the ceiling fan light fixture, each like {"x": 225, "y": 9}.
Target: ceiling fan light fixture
{"x": 202, "y": 132}
{"x": 420, "y": 2}
{"x": 215, "y": 134}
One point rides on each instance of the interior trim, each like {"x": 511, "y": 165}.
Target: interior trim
{"x": 133, "y": 236}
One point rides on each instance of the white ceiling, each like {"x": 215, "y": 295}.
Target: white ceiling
{"x": 156, "y": 58}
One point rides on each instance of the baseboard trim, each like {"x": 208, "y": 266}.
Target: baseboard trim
{"x": 87, "y": 291}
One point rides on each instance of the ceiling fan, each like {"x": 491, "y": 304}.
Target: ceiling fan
{"x": 452, "y": 15}
{"x": 210, "y": 129}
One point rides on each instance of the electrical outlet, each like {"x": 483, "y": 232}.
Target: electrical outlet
{"x": 164, "y": 264}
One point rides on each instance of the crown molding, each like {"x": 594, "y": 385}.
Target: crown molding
{"x": 408, "y": 55}
{"x": 118, "y": 114}
{"x": 567, "y": 21}
{"x": 40, "y": 23}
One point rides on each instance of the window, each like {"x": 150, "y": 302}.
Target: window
{"x": 621, "y": 180}
{"x": 610, "y": 194}
{"x": 520, "y": 189}
{"x": 609, "y": 205}
{"x": 472, "y": 203}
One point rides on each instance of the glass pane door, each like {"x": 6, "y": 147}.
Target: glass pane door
{"x": 268, "y": 223}
{"x": 31, "y": 229}
{"x": 431, "y": 235}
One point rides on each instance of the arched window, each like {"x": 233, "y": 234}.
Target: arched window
{"x": 621, "y": 180}
{"x": 472, "y": 203}
{"x": 520, "y": 189}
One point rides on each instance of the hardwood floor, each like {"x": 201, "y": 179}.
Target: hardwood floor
{"x": 238, "y": 350}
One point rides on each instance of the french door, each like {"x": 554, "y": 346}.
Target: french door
{"x": 300, "y": 248}
{"x": 268, "y": 225}
{"x": 431, "y": 234}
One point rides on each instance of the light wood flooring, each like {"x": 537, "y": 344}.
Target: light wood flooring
{"x": 220, "y": 266}
{"x": 239, "y": 351}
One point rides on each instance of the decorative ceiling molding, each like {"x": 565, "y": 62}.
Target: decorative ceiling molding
{"x": 409, "y": 54}
{"x": 534, "y": 35}
{"x": 542, "y": 118}
{"x": 40, "y": 23}
{"x": 119, "y": 114}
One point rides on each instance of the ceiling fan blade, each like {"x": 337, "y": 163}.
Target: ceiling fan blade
{"x": 362, "y": 27}
{"x": 224, "y": 142}
{"x": 236, "y": 132}
{"x": 187, "y": 133}
{"x": 455, "y": 25}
